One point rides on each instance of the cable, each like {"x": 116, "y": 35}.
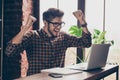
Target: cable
{"x": 79, "y": 57}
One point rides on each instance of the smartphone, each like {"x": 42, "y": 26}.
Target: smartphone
{"x": 55, "y": 75}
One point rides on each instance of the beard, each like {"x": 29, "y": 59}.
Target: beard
{"x": 52, "y": 35}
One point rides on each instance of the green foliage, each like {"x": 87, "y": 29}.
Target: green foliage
{"x": 98, "y": 37}
{"x": 75, "y": 30}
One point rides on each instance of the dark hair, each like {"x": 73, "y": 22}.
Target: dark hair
{"x": 51, "y": 13}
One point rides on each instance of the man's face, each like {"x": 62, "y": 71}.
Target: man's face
{"x": 54, "y": 26}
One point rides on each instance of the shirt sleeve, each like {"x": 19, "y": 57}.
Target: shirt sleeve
{"x": 82, "y": 42}
{"x": 16, "y": 49}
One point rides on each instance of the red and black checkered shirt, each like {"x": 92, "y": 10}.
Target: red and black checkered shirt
{"x": 44, "y": 52}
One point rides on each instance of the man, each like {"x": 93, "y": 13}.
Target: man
{"x": 46, "y": 47}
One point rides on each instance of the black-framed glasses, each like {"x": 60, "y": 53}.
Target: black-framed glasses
{"x": 56, "y": 24}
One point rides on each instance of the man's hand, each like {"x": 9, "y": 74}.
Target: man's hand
{"x": 28, "y": 24}
{"x": 30, "y": 21}
{"x": 18, "y": 38}
{"x": 80, "y": 16}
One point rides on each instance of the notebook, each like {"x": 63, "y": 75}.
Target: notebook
{"x": 97, "y": 58}
{"x": 62, "y": 71}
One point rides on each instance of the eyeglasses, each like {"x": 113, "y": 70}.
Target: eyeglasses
{"x": 56, "y": 24}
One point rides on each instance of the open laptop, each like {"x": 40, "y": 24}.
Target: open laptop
{"x": 97, "y": 58}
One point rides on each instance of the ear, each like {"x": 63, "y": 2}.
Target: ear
{"x": 45, "y": 22}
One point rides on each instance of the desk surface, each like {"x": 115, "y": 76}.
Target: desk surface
{"x": 89, "y": 75}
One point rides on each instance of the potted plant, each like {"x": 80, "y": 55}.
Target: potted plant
{"x": 77, "y": 31}
{"x": 98, "y": 37}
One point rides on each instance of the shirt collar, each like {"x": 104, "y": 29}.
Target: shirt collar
{"x": 45, "y": 36}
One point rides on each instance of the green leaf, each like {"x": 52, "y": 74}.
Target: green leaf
{"x": 98, "y": 36}
{"x": 112, "y": 42}
{"x": 101, "y": 38}
{"x": 75, "y": 30}
{"x": 96, "y": 31}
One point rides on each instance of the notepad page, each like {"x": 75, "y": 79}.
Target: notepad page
{"x": 64, "y": 71}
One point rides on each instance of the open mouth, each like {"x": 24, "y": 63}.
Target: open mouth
{"x": 56, "y": 32}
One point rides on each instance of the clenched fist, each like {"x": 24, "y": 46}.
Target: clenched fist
{"x": 31, "y": 19}
{"x": 80, "y": 16}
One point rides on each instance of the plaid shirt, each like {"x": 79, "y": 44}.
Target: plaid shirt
{"x": 44, "y": 52}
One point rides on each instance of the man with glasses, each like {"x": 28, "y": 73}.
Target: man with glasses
{"x": 46, "y": 47}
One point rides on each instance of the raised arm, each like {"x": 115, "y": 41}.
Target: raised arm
{"x": 21, "y": 40}
{"x": 85, "y": 40}
{"x": 17, "y": 39}
{"x": 81, "y": 18}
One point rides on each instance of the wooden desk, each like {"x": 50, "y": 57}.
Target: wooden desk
{"x": 89, "y": 75}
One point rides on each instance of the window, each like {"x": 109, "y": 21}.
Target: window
{"x": 68, "y": 18}
{"x": 94, "y": 16}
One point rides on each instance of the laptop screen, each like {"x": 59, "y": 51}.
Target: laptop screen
{"x": 98, "y": 55}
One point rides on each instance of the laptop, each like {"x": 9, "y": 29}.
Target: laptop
{"x": 97, "y": 58}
